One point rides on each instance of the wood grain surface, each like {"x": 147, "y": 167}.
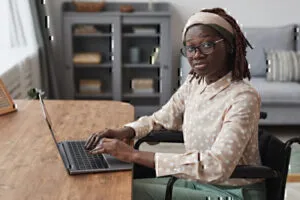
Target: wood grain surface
{"x": 30, "y": 165}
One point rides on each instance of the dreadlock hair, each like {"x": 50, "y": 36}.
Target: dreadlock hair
{"x": 239, "y": 65}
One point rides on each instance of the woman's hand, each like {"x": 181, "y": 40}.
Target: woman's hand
{"x": 125, "y": 134}
{"x": 116, "y": 148}
{"x": 110, "y": 141}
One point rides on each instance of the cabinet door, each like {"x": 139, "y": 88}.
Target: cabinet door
{"x": 146, "y": 58}
{"x": 91, "y": 59}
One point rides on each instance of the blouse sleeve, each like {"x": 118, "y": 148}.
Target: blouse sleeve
{"x": 168, "y": 117}
{"x": 217, "y": 164}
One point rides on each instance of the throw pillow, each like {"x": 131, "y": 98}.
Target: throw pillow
{"x": 283, "y": 65}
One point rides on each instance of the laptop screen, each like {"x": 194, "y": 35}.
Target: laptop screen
{"x": 47, "y": 117}
{"x": 45, "y": 112}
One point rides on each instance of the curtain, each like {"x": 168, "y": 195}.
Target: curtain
{"x": 4, "y": 34}
{"x": 25, "y": 48}
{"x": 17, "y": 34}
{"x": 49, "y": 79}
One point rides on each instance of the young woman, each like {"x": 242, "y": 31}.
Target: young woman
{"x": 215, "y": 108}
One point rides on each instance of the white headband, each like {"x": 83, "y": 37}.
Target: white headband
{"x": 206, "y": 18}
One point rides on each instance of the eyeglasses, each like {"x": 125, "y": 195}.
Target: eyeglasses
{"x": 205, "y": 48}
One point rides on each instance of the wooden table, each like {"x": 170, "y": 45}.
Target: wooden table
{"x": 30, "y": 165}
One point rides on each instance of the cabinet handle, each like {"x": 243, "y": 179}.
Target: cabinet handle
{"x": 166, "y": 67}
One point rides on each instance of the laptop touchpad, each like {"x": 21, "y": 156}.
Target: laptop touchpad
{"x": 112, "y": 161}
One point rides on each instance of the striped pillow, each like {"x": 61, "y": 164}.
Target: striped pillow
{"x": 283, "y": 65}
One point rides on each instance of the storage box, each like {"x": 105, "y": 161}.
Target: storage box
{"x": 87, "y": 58}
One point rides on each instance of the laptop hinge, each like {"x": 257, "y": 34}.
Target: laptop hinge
{"x": 64, "y": 156}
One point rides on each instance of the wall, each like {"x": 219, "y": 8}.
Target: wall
{"x": 250, "y": 13}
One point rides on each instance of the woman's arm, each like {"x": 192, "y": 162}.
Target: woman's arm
{"x": 168, "y": 117}
{"x": 217, "y": 163}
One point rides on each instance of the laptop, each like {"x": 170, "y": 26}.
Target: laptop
{"x": 77, "y": 160}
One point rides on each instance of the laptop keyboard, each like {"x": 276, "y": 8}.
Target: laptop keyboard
{"x": 84, "y": 160}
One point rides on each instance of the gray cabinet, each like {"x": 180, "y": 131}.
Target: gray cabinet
{"x": 134, "y": 48}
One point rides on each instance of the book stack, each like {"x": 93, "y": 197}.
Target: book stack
{"x": 89, "y": 86}
{"x": 142, "y": 85}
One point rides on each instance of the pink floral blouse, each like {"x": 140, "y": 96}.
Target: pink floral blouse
{"x": 220, "y": 128}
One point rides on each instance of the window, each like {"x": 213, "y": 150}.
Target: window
{"x": 17, "y": 36}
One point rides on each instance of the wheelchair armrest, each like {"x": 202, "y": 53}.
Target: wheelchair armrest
{"x": 161, "y": 136}
{"x": 254, "y": 171}
{"x": 170, "y": 136}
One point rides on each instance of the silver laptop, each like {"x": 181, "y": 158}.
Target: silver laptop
{"x": 77, "y": 160}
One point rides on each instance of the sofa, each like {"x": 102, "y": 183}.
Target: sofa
{"x": 281, "y": 100}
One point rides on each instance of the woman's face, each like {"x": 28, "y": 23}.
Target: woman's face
{"x": 203, "y": 64}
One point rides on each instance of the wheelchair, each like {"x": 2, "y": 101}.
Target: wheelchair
{"x": 275, "y": 158}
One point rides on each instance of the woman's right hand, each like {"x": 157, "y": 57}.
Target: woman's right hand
{"x": 125, "y": 133}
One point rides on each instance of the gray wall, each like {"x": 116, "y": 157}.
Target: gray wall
{"x": 249, "y": 13}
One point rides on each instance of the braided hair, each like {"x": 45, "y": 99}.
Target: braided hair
{"x": 239, "y": 65}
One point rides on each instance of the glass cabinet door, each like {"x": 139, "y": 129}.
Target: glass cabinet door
{"x": 91, "y": 57}
{"x": 143, "y": 62}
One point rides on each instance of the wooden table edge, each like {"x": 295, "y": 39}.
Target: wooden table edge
{"x": 293, "y": 177}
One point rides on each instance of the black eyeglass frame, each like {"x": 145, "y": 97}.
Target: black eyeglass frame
{"x": 183, "y": 50}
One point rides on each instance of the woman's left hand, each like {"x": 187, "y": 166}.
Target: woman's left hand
{"x": 116, "y": 148}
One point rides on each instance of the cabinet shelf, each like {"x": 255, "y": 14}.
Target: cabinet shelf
{"x": 141, "y": 95}
{"x": 141, "y": 65}
{"x": 114, "y": 36}
{"x": 104, "y": 65}
{"x": 92, "y": 35}
{"x": 133, "y": 35}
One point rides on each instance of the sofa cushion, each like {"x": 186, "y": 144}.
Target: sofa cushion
{"x": 277, "y": 92}
{"x": 279, "y": 38}
{"x": 283, "y": 65}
